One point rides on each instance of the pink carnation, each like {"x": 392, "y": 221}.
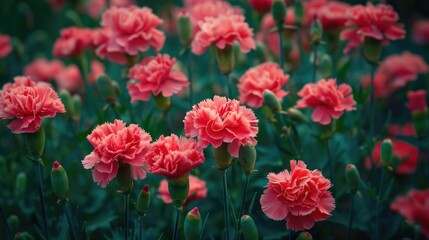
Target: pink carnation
{"x": 378, "y": 22}
{"x": 414, "y": 207}
{"x": 27, "y": 103}
{"x": 42, "y": 70}
{"x": 69, "y": 78}
{"x": 267, "y": 76}
{"x": 222, "y": 31}
{"x": 174, "y": 157}
{"x": 220, "y": 121}
{"x": 332, "y": 15}
{"x": 114, "y": 144}
{"x": 327, "y": 100}
{"x": 5, "y": 45}
{"x": 100, "y": 42}
{"x": 420, "y": 32}
{"x": 121, "y": 3}
{"x": 133, "y": 30}
{"x": 97, "y": 68}
{"x": 299, "y": 196}
{"x": 261, "y": 5}
{"x": 190, "y": 3}
{"x": 197, "y": 190}
{"x": 402, "y": 130}
{"x": 406, "y": 153}
{"x": 417, "y": 101}
{"x": 155, "y": 75}
{"x": 72, "y": 42}
{"x": 94, "y": 8}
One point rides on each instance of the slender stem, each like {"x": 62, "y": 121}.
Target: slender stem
{"x": 69, "y": 220}
{"x": 380, "y": 191}
{"x": 229, "y": 84}
{"x": 141, "y": 227}
{"x": 112, "y": 106}
{"x": 372, "y": 104}
{"x": 3, "y": 215}
{"x": 126, "y": 215}
{"x": 189, "y": 65}
{"x": 282, "y": 58}
{"x": 352, "y": 203}
{"x": 225, "y": 203}
{"x": 292, "y": 142}
{"x": 243, "y": 201}
{"x": 330, "y": 161}
{"x": 176, "y": 225}
{"x": 315, "y": 48}
{"x": 42, "y": 200}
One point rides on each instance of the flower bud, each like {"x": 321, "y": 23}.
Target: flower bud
{"x": 271, "y": 101}
{"x": 179, "y": 189}
{"x": 77, "y": 107}
{"x": 261, "y": 52}
{"x": 386, "y": 151}
{"x": 13, "y": 222}
{"x": 67, "y": 100}
{"x": 35, "y": 143}
{"x": 372, "y": 50}
{"x": 352, "y": 177}
{"x": 247, "y": 157}
{"x": 163, "y": 103}
{"x": 417, "y": 105}
{"x": 304, "y": 236}
{"x": 20, "y": 184}
{"x": 225, "y": 59}
{"x": 222, "y": 156}
{"x": 143, "y": 200}
{"x": 248, "y": 228}
{"x": 326, "y": 65}
{"x": 193, "y": 225}
{"x": 59, "y": 181}
{"x": 124, "y": 178}
{"x": 296, "y": 115}
{"x": 299, "y": 12}
{"x": 316, "y": 31}
{"x": 278, "y": 10}
{"x": 184, "y": 29}
{"x": 105, "y": 88}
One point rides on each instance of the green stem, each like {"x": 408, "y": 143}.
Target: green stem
{"x": 243, "y": 201}
{"x": 330, "y": 161}
{"x": 292, "y": 142}
{"x": 112, "y": 106}
{"x": 141, "y": 227}
{"x": 176, "y": 225}
{"x": 282, "y": 58}
{"x": 225, "y": 202}
{"x": 315, "y": 47}
{"x": 69, "y": 220}
{"x": 189, "y": 65}
{"x": 126, "y": 215}
{"x": 3, "y": 215}
{"x": 352, "y": 203}
{"x": 372, "y": 104}
{"x": 377, "y": 226}
{"x": 38, "y": 167}
{"x": 229, "y": 84}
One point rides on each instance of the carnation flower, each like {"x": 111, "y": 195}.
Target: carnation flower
{"x": 72, "y": 42}
{"x": 114, "y": 144}
{"x": 417, "y": 101}
{"x": 155, "y": 75}
{"x": 420, "y": 32}
{"x": 327, "y": 100}
{"x": 174, "y": 157}
{"x": 69, "y": 78}
{"x": 332, "y": 15}
{"x": 392, "y": 74}
{"x": 414, "y": 207}
{"x": 190, "y": 3}
{"x": 42, "y": 70}
{"x": 223, "y": 31}
{"x": 5, "y": 45}
{"x": 378, "y": 22}
{"x": 100, "y": 42}
{"x": 404, "y": 152}
{"x": 94, "y": 8}
{"x": 27, "y": 103}
{"x": 220, "y": 121}
{"x": 132, "y": 30}
{"x": 261, "y": 5}
{"x": 267, "y": 76}
{"x": 97, "y": 68}
{"x": 197, "y": 190}
{"x": 401, "y": 130}
{"x": 299, "y": 196}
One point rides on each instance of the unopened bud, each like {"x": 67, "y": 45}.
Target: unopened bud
{"x": 225, "y": 59}
{"x": 193, "y": 225}
{"x": 296, "y": 115}
{"x": 386, "y": 151}
{"x": 278, "y": 10}
{"x": 222, "y": 157}
{"x": 179, "y": 189}
{"x": 105, "y": 88}
{"x": 59, "y": 181}
{"x": 271, "y": 101}
{"x": 326, "y": 65}
{"x": 67, "y": 100}
{"x": 143, "y": 200}
{"x": 35, "y": 143}
{"x": 13, "y": 222}
{"x": 184, "y": 29}
{"x": 77, "y": 107}
{"x": 248, "y": 227}
{"x": 163, "y": 103}
{"x": 352, "y": 177}
{"x": 261, "y": 52}
{"x": 316, "y": 31}
{"x": 247, "y": 157}
{"x": 304, "y": 236}
{"x": 20, "y": 184}
{"x": 372, "y": 50}
{"x": 124, "y": 178}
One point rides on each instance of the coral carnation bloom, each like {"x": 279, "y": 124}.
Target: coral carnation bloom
{"x": 299, "y": 196}
{"x": 5, "y": 45}
{"x": 406, "y": 153}
{"x": 101, "y": 41}
{"x": 114, "y": 144}
{"x": 327, "y": 100}
{"x": 417, "y": 101}
{"x": 69, "y": 78}
{"x": 420, "y": 32}
{"x": 222, "y": 31}
{"x": 72, "y": 42}
{"x": 222, "y": 120}
{"x": 261, "y": 5}
{"x": 27, "y": 103}
{"x": 94, "y": 8}
{"x": 197, "y": 190}
{"x": 133, "y": 30}
{"x": 332, "y": 15}
{"x": 267, "y": 76}
{"x": 191, "y": 3}
{"x": 174, "y": 157}
{"x": 42, "y": 70}
{"x": 378, "y": 22}
{"x": 155, "y": 75}
{"x": 414, "y": 206}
